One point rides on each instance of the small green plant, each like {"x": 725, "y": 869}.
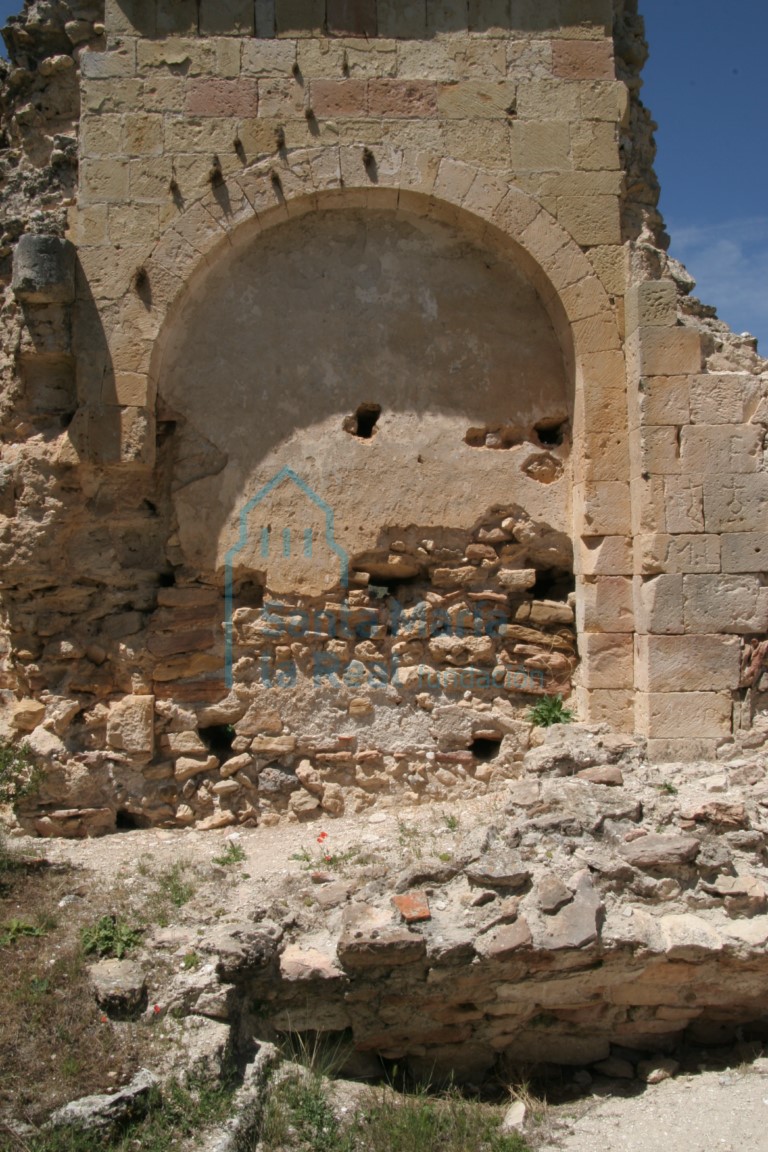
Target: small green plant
{"x": 667, "y": 788}
{"x": 173, "y": 889}
{"x": 299, "y": 1115}
{"x": 173, "y": 1118}
{"x": 234, "y": 853}
{"x": 20, "y": 777}
{"x": 326, "y": 857}
{"x": 548, "y": 711}
{"x": 451, "y": 822}
{"x": 110, "y": 936}
{"x": 190, "y": 961}
{"x": 15, "y": 930}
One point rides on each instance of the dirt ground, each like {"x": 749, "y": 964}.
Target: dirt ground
{"x": 712, "y": 1111}
{"x": 708, "y": 1112}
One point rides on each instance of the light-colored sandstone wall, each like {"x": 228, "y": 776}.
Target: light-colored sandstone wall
{"x": 244, "y": 168}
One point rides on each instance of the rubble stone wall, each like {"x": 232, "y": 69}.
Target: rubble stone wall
{"x": 351, "y": 403}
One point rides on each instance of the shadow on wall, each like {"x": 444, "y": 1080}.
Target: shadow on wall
{"x": 366, "y": 352}
{"x": 398, "y": 19}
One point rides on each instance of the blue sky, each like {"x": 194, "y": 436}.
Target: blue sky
{"x": 705, "y": 87}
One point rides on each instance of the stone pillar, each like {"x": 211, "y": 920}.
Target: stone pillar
{"x": 693, "y": 461}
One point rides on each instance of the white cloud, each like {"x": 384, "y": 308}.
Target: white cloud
{"x": 729, "y": 261}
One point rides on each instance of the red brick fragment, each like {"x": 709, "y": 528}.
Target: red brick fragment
{"x": 413, "y": 907}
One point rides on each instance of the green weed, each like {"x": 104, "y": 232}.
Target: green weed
{"x": 548, "y": 711}
{"x": 174, "y": 1117}
{"x": 20, "y": 777}
{"x": 15, "y": 930}
{"x": 110, "y": 936}
{"x": 234, "y": 853}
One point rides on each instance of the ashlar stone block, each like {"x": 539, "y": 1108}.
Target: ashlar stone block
{"x": 659, "y": 604}
{"x": 661, "y": 552}
{"x": 724, "y": 398}
{"x": 652, "y": 304}
{"x": 605, "y": 604}
{"x": 686, "y": 663}
{"x": 607, "y": 660}
{"x": 729, "y": 448}
{"x": 44, "y": 270}
{"x": 744, "y": 551}
{"x": 684, "y": 715}
{"x": 725, "y": 603}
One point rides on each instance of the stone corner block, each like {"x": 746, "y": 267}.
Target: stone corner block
{"x": 652, "y": 304}
{"x": 44, "y": 270}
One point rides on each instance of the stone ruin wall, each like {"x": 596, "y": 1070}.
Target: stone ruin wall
{"x": 410, "y": 253}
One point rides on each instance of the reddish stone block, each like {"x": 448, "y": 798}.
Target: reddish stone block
{"x": 206, "y": 96}
{"x": 583, "y": 59}
{"x": 352, "y": 17}
{"x": 413, "y": 907}
{"x": 338, "y": 97}
{"x": 402, "y": 99}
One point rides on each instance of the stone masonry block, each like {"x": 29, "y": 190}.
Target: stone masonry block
{"x": 403, "y": 18}
{"x": 476, "y": 99}
{"x": 489, "y": 16}
{"x": 602, "y": 508}
{"x": 402, "y": 99}
{"x": 725, "y": 603}
{"x": 604, "y": 556}
{"x": 605, "y": 604}
{"x": 735, "y": 503}
{"x": 681, "y": 751}
{"x": 593, "y": 221}
{"x": 607, "y": 661}
{"x": 44, "y": 270}
{"x": 600, "y": 409}
{"x": 265, "y": 18}
{"x": 177, "y": 19}
{"x": 607, "y": 706}
{"x": 729, "y": 448}
{"x": 595, "y": 146}
{"x": 118, "y": 61}
{"x": 664, "y": 351}
{"x": 605, "y": 456}
{"x": 131, "y": 17}
{"x": 352, "y": 17}
{"x": 655, "y": 451}
{"x": 724, "y": 398}
{"x": 209, "y": 96}
{"x": 227, "y": 18}
{"x": 104, "y": 181}
{"x": 684, "y": 715}
{"x": 339, "y": 97}
{"x": 659, "y": 605}
{"x": 661, "y": 552}
{"x": 583, "y": 59}
{"x": 446, "y": 16}
{"x": 686, "y": 663}
{"x": 268, "y": 58}
{"x": 744, "y": 551}
{"x": 543, "y": 146}
{"x": 648, "y": 504}
{"x": 662, "y": 400}
{"x": 684, "y": 500}
{"x": 299, "y": 17}
{"x": 651, "y": 304}
{"x": 130, "y": 725}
